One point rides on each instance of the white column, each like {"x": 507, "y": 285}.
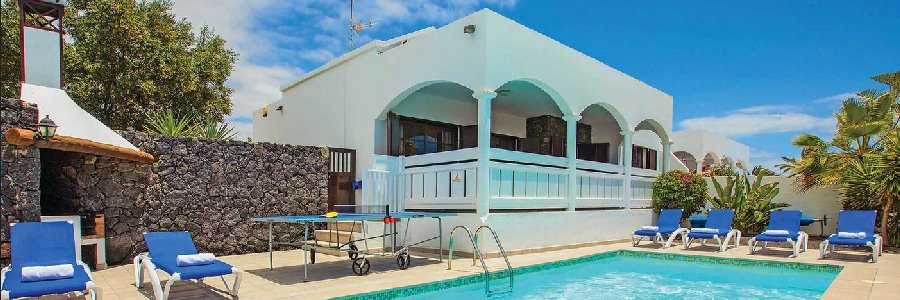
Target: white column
{"x": 626, "y": 162}
{"x": 484, "y": 151}
{"x": 571, "y": 143}
{"x": 667, "y": 155}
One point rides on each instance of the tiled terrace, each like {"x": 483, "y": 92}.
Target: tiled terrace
{"x": 331, "y": 276}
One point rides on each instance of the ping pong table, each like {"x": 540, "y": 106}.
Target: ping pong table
{"x": 360, "y": 265}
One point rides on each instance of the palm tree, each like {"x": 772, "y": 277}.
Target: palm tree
{"x": 854, "y": 160}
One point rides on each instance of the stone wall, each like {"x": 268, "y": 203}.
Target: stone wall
{"x": 207, "y": 187}
{"x": 19, "y": 172}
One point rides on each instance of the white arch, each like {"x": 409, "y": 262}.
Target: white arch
{"x": 656, "y": 127}
{"x": 615, "y": 113}
{"x": 561, "y": 103}
{"x": 409, "y": 91}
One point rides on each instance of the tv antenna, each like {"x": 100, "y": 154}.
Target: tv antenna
{"x": 356, "y": 27}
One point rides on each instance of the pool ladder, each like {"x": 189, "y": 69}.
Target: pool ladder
{"x": 476, "y": 253}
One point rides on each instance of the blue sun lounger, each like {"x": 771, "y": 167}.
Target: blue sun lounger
{"x": 43, "y": 244}
{"x": 784, "y": 227}
{"x": 668, "y": 225}
{"x": 718, "y": 225}
{"x": 854, "y": 222}
{"x": 164, "y": 249}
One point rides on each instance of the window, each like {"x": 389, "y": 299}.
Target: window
{"x": 644, "y": 158}
{"x": 419, "y": 136}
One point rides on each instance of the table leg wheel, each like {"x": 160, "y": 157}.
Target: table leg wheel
{"x": 403, "y": 260}
{"x": 354, "y": 252}
{"x": 361, "y": 266}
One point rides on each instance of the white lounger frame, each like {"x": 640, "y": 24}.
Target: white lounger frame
{"x": 91, "y": 288}
{"x": 801, "y": 242}
{"x": 733, "y": 233}
{"x": 877, "y": 248}
{"x": 636, "y": 239}
{"x": 144, "y": 262}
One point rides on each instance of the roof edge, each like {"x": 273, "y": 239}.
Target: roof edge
{"x": 374, "y": 44}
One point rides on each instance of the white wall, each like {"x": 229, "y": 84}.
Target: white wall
{"x": 814, "y": 203}
{"x": 338, "y": 104}
{"x": 538, "y": 229}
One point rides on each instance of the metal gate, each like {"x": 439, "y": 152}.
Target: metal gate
{"x": 341, "y": 174}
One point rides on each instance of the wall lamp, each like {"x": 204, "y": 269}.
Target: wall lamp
{"x": 46, "y": 129}
{"x": 470, "y": 29}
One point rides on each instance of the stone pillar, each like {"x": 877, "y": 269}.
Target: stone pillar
{"x": 667, "y": 155}
{"x": 626, "y": 165}
{"x": 20, "y": 172}
{"x": 484, "y": 152}
{"x": 571, "y": 143}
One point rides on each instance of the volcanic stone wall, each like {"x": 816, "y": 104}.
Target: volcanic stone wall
{"x": 210, "y": 188}
{"x": 20, "y": 172}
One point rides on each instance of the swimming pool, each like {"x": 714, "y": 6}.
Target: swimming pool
{"x": 628, "y": 274}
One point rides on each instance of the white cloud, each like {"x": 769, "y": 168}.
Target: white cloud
{"x": 835, "y": 98}
{"x": 279, "y": 40}
{"x": 766, "y": 109}
{"x": 742, "y": 124}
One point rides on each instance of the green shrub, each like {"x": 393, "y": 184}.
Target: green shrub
{"x": 680, "y": 189}
{"x": 751, "y": 202}
{"x": 721, "y": 170}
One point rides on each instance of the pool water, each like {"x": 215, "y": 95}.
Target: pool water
{"x": 636, "y": 277}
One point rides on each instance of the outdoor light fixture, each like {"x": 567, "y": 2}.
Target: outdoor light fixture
{"x": 279, "y": 108}
{"x": 470, "y": 29}
{"x": 46, "y": 129}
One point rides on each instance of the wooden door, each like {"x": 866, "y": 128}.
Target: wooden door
{"x": 342, "y": 172}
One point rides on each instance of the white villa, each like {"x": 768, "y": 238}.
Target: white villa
{"x": 700, "y": 148}
{"x": 489, "y": 118}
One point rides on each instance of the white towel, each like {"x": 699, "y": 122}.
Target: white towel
{"x": 654, "y": 228}
{"x": 705, "y": 230}
{"x": 852, "y": 235}
{"x": 195, "y": 259}
{"x": 41, "y": 273}
{"x": 776, "y": 232}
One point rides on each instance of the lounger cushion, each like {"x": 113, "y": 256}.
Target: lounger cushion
{"x": 166, "y": 246}
{"x": 774, "y": 238}
{"x": 835, "y": 240}
{"x": 702, "y": 235}
{"x": 667, "y": 223}
{"x": 216, "y": 268}
{"x": 13, "y": 283}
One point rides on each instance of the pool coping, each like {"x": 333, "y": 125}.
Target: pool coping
{"x": 418, "y": 289}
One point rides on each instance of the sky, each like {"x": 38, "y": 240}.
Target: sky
{"x": 759, "y": 72}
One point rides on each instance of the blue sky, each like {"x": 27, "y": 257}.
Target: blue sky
{"x": 760, "y": 71}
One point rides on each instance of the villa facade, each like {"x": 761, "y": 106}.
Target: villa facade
{"x": 437, "y": 115}
{"x": 698, "y": 149}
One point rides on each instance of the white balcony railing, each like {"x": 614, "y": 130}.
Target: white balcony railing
{"x": 448, "y": 180}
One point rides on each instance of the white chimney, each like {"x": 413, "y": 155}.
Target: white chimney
{"x": 41, "y": 42}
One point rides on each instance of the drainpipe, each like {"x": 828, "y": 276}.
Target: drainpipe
{"x": 667, "y": 154}
{"x": 626, "y": 164}
{"x": 484, "y": 152}
{"x": 571, "y": 143}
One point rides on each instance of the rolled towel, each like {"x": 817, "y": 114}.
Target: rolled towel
{"x": 195, "y": 259}
{"x": 654, "y": 228}
{"x": 705, "y": 230}
{"x": 776, "y": 232}
{"x": 42, "y": 273}
{"x": 851, "y": 235}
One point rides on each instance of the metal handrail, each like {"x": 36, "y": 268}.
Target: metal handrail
{"x": 477, "y": 252}
{"x": 502, "y": 251}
